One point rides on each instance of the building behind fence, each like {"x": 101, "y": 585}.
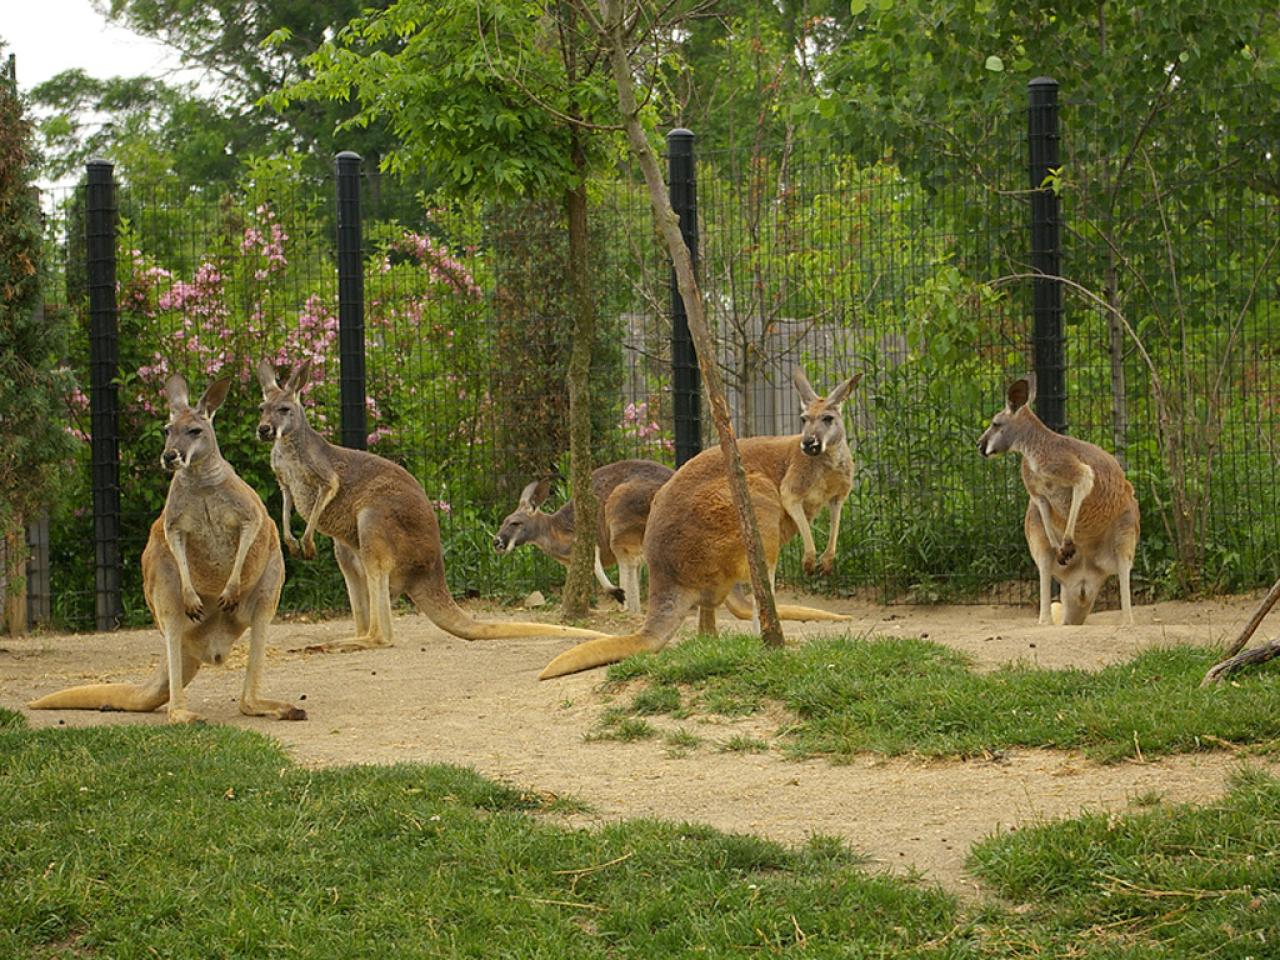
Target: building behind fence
{"x": 441, "y": 337}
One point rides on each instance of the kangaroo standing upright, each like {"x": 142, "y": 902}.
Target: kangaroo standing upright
{"x": 625, "y": 492}
{"x": 384, "y": 530}
{"x": 211, "y": 569}
{"x": 693, "y": 545}
{"x": 1082, "y": 520}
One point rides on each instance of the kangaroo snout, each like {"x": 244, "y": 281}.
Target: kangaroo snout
{"x": 170, "y": 460}
{"x": 500, "y": 543}
{"x": 811, "y": 446}
{"x": 266, "y": 432}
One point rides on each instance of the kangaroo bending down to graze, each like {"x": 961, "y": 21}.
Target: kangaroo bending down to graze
{"x": 624, "y": 491}
{"x": 384, "y": 529}
{"x": 1082, "y": 520}
{"x": 211, "y": 569}
{"x": 693, "y": 545}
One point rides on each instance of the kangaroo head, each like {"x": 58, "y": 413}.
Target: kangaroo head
{"x": 281, "y": 408}
{"x": 189, "y": 436}
{"x": 1005, "y": 425}
{"x": 823, "y": 425}
{"x": 518, "y": 526}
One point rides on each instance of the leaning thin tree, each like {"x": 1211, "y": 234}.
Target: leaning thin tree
{"x": 616, "y": 29}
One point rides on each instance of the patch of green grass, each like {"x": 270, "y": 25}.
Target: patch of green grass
{"x": 1197, "y": 881}
{"x": 741, "y": 743}
{"x": 896, "y": 696}
{"x": 682, "y": 738}
{"x": 656, "y": 698}
{"x": 141, "y": 841}
{"x": 616, "y": 724}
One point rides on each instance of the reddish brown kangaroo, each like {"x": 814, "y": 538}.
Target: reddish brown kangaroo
{"x": 384, "y": 529}
{"x": 624, "y": 491}
{"x": 211, "y": 570}
{"x": 693, "y": 545}
{"x": 1082, "y": 520}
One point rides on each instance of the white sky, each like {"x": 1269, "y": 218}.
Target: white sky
{"x": 49, "y": 36}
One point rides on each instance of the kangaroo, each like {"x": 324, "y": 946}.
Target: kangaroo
{"x": 693, "y": 545}
{"x": 385, "y": 535}
{"x": 624, "y": 491}
{"x": 212, "y": 568}
{"x": 1082, "y": 519}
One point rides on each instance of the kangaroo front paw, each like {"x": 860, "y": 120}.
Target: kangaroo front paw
{"x": 229, "y": 599}
{"x": 291, "y": 543}
{"x": 1066, "y": 552}
{"x": 619, "y": 594}
{"x": 810, "y": 563}
{"x": 193, "y": 605}
{"x": 308, "y": 548}
{"x": 825, "y": 564}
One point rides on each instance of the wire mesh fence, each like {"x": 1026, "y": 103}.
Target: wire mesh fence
{"x": 814, "y": 253}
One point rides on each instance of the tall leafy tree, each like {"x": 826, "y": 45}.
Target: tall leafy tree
{"x": 33, "y": 384}
{"x": 503, "y": 99}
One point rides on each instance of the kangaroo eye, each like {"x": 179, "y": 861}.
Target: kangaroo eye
{"x": 282, "y": 409}
{"x": 828, "y": 418}
{"x": 193, "y": 432}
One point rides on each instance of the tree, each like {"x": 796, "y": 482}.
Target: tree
{"x": 34, "y": 443}
{"x": 502, "y": 99}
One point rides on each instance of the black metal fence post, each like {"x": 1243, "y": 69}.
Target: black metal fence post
{"x": 686, "y": 383}
{"x": 100, "y": 217}
{"x": 351, "y": 377}
{"x": 1047, "y": 337}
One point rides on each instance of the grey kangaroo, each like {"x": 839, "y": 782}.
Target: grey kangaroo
{"x": 624, "y": 491}
{"x": 385, "y": 535}
{"x": 693, "y": 545}
{"x": 1082, "y": 519}
{"x": 211, "y": 569}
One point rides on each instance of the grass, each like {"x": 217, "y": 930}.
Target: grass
{"x": 896, "y": 696}
{"x": 144, "y": 841}
{"x": 1176, "y": 881}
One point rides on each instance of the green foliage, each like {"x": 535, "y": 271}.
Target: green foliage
{"x": 34, "y": 443}
{"x": 478, "y": 96}
{"x": 898, "y": 696}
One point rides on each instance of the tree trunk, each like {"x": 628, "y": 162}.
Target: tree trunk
{"x": 669, "y": 227}
{"x": 580, "y": 582}
{"x": 13, "y": 581}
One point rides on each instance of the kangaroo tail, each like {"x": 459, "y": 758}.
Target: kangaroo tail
{"x": 434, "y": 600}
{"x": 743, "y": 610}
{"x": 600, "y": 652}
{"x": 140, "y": 698}
{"x": 667, "y": 608}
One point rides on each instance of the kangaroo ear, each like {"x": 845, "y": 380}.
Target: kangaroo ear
{"x": 841, "y": 393}
{"x": 1021, "y": 392}
{"x": 300, "y": 376}
{"x": 807, "y": 393}
{"x": 534, "y": 493}
{"x": 213, "y": 397}
{"x": 267, "y": 376}
{"x": 175, "y": 389}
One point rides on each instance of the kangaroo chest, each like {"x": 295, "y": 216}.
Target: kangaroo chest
{"x": 211, "y": 526}
{"x": 295, "y": 477}
{"x": 817, "y": 484}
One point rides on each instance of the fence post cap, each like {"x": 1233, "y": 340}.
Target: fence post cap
{"x": 1042, "y": 82}
{"x": 680, "y": 133}
{"x": 349, "y": 156}
{"x": 99, "y": 163}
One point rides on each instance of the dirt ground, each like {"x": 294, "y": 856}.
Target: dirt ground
{"x": 435, "y": 698}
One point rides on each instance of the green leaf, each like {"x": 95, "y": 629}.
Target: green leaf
{"x": 994, "y": 64}
{"x": 857, "y": 6}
